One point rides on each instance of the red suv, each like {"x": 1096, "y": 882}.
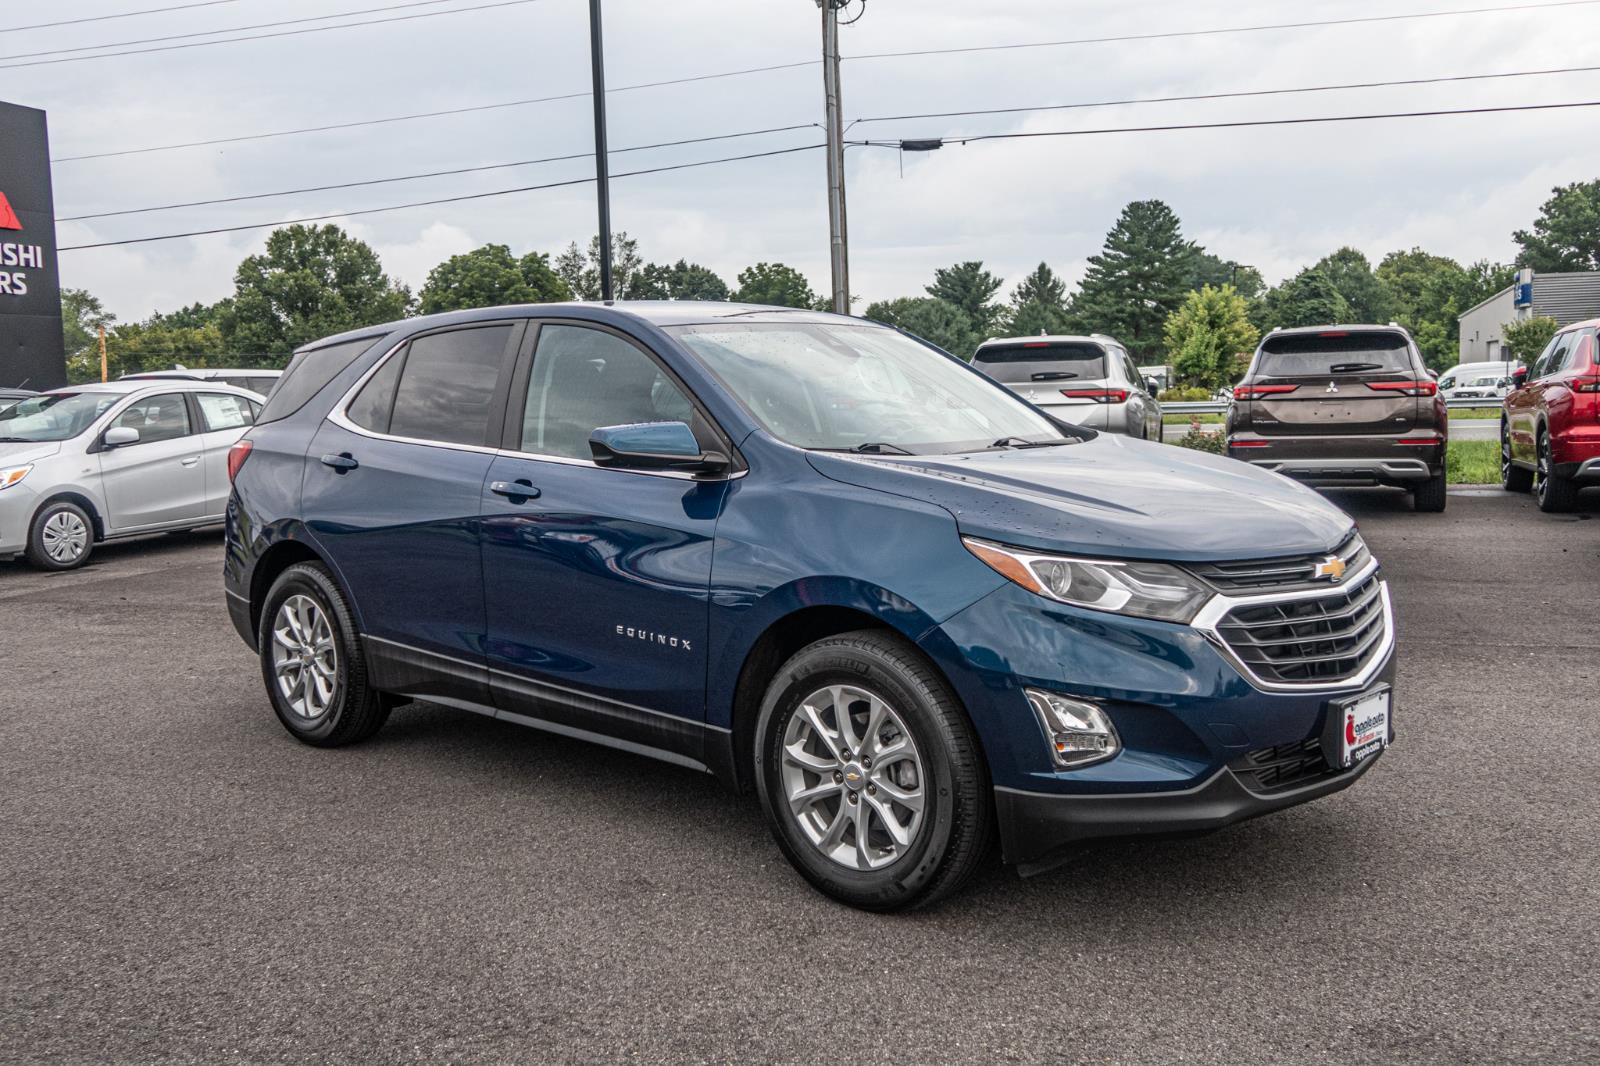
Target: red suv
{"x": 1550, "y": 426}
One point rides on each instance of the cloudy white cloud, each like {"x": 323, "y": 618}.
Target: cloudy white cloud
{"x": 1278, "y": 197}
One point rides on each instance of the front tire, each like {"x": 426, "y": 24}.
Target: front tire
{"x": 61, "y": 537}
{"x": 312, "y": 661}
{"x": 1430, "y": 495}
{"x": 870, "y": 774}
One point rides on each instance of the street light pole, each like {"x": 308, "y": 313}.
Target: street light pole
{"x": 602, "y": 164}
{"x": 839, "y": 241}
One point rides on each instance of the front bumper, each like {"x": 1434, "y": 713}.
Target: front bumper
{"x": 1039, "y": 829}
{"x": 17, "y": 506}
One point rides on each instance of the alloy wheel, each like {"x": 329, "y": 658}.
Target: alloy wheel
{"x": 305, "y": 657}
{"x": 1541, "y": 475}
{"x": 65, "y": 537}
{"x": 853, "y": 777}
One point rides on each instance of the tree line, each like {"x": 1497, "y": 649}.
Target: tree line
{"x": 1165, "y": 297}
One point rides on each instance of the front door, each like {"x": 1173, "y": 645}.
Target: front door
{"x": 597, "y": 580}
{"x": 392, "y": 485}
{"x": 1522, "y": 406}
{"x": 159, "y": 479}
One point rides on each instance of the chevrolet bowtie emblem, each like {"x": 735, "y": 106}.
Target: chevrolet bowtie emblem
{"x": 1331, "y": 568}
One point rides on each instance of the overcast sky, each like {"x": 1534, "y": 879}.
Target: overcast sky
{"x": 1275, "y": 197}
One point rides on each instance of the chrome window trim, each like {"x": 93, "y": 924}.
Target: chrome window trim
{"x": 339, "y": 416}
{"x": 1209, "y": 620}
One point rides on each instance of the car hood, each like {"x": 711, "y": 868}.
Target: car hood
{"x": 1110, "y": 496}
{"x": 16, "y": 453}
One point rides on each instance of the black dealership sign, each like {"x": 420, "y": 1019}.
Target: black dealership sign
{"x": 31, "y": 352}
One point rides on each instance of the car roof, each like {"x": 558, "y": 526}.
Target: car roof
{"x": 129, "y": 386}
{"x": 199, "y": 374}
{"x": 1051, "y": 338}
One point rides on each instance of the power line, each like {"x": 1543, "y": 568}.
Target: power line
{"x": 434, "y": 174}
{"x": 266, "y": 36}
{"x": 1163, "y": 35}
{"x": 1232, "y": 95}
{"x": 122, "y": 15}
{"x": 229, "y": 29}
{"x": 444, "y": 200}
{"x": 432, "y": 114}
{"x": 935, "y": 142}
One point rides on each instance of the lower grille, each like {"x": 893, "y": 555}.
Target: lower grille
{"x": 1320, "y": 639}
{"x": 1283, "y": 767}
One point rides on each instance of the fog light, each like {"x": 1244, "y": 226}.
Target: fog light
{"x": 1079, "y": 733}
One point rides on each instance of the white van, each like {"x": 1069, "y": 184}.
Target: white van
{"x": 1476, "y": 379}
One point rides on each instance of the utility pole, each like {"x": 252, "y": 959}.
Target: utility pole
{"x": 104, "y": 370}
{"x": 602, "y": 161}
{"x": 839, "y": 238}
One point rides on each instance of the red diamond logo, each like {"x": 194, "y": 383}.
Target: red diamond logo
{"x": 8, "y": 217}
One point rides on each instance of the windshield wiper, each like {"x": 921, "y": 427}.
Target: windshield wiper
{"x": 879, "y": 447}
{"x": 17, "y": 440}
{"x": 1347, "y": 368}
{"x": 1023, "y": 442}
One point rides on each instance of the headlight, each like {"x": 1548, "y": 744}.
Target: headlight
{"x": 13, "y": 475}
{"x": 1145, "y": 590}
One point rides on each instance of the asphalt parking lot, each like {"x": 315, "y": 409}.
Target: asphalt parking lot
{"x": 181, "y": 881}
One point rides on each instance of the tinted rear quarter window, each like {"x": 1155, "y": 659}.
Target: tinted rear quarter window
{"x": 1316, "y": 354}
{"x": 308, "y": 372}
{"x": 1042, "y": 362}
{"x": 448, "y": 384}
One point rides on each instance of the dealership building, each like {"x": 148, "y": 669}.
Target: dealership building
{"x": 1567, "y": 298}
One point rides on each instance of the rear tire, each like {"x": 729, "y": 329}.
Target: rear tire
{"x": 61, "y": 537}
{"x": 1556, "y": 494}
{"x": 1513, "y": 478}
{"x": 312, "y": 661}
{"x": 830, "y": 713}
{"x": 1430, "y": 495}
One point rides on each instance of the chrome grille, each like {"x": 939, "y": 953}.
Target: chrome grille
{"x": 1287, "y": 573}
{"x": 1309, "y": 639}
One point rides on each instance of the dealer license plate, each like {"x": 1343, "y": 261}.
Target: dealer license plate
{"x": 1363, "y": 727}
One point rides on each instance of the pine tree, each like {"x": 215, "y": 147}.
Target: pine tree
{"x": 1139, "y": 278}
{"x": 1039, "y": 305}
{"x": 972, "y": 289}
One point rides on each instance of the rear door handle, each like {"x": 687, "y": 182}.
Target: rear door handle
{"x": 340, "y": 463}
{"x": 193, "y": 459}
{"x": 514, "y": 490}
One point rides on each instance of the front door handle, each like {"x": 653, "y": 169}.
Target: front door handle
{"x": 193, "y": 459}
{"x": 516, "y": 491}
{"x": 342, "y": 463}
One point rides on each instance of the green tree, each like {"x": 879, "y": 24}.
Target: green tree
{"x": 151, "y": 345}
{"x": 1039, "y": 305}
{"x": 1526, "y": 339}
{"x": 680, "y": 281}
{"x": 937, "y": 321}
{"x": 1215, "y": 271}
{"x": 1429, "y": 293}
{"x": 195, "y": 316}
{"x": 488, "y": 277}
{"x": 1566, "y": 235}
{"x": 581, "y": 270}
{"x": 311, "y": 282}
{"x": 1139, "y": 278}
{"x": 1205, "y": 336}
{"x": 972, "y": 289}
{"x": 82, "y": 315}
{"x": 1307, "y": 299}
{"x": 775, "y": 284}
{"x": 1364, "y": 292}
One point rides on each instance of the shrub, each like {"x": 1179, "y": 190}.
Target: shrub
{"x": 1201, "y": 441}
{"x": 1185, "y": 394}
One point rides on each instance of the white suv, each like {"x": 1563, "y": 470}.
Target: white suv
{"x": 1088, "y": 381}
{"x": 100, "y": 462}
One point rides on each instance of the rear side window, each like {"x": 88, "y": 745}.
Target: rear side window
{"x": 307, "y": 374}
{"x": 447, "y": 385}
{"x": 221, "y": 411}
{"x": 1316, "y": 354}
{"x": 374, "y": 403}
{"x": 1042, "y": 361}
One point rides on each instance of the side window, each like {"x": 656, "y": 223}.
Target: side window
{"x": 221, "y": 411}
{"x": 447, "y": 384}
{"x": 584, "y": 379}
{"x": 308, "y": 373}
{"x": 1583, "y": 351}
{"x": 1550, "y": 357}
{"x": 157, "y": 418}
{"x": 374, "y": 403}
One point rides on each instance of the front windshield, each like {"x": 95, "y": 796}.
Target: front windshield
{"x": 860, "y": 388}
{"x": 53, "y": 416}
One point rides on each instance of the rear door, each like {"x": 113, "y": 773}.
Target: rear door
{"x": 223, "y": 419}
{"x": 1338, "y": 382}
{"x": 159, "y": 479}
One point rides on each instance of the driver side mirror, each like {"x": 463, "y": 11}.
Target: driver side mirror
{"x": 120, "y": 436}
{"x": 653, "y": 446}
{"x": 1518, "y": 377}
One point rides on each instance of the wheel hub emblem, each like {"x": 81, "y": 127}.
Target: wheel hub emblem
{"x": 853, "y": 776}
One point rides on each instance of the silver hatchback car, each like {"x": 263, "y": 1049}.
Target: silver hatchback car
{"x": 79, "y": 466}
{"x": 1088, "y": 381}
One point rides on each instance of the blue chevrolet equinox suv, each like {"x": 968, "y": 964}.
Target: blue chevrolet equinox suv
{"x": 816, "y": 558}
